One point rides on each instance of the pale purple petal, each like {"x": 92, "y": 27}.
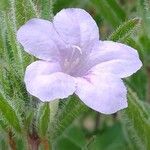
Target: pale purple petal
{"x": 113, "y": 57}
{"x": 104, "y": 93}
{"x": 46, "y": 81}
{"x": 119, "y": 67}
{"x": 76, "y": 61}
{"x": 76, "y": 27}
{"x": 39, "y": 38}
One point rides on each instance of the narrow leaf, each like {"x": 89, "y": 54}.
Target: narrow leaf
{"x": 10, "y": 114}
{"x": 46, "y": 9}
{"x": 25, "y": 10}
{"x": 70, "y": 111}
{"x": 136, "y": 121}
{"x": 124, "y": 30}
{"x": 44, "y": 119}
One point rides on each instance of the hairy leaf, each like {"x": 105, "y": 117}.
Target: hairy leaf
{"x": 46, "y": 9}
{"x": 124, "y": 30}
{"x": 136, "y": 121}
{"x": 10, "y": 115}
{"x": 44, "y": 119}
{"x": 25, "y": 10}
{"x": 69, "y": 112}
{"x": 111, "y": 138}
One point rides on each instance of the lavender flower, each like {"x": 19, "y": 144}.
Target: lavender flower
{"x": 74, "y": 60}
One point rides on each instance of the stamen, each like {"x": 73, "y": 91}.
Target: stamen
{"x": 75, "y": 47}
{"x": 74, "y": 58}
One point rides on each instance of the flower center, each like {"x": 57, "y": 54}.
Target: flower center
{"x": 74, "y": 59}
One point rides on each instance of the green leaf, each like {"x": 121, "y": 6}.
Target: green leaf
{"x": 10, "y": 115}
{"x": 28, "y": 119}
{"x": 124, "y": 30}
{"x": 24, "y": 10}
{"x": 133, "y": 43}
{"x": 138, "y": 80}
{"x": 76, "y": 135}
{"x": 10, "y": 21}
{"x": 44, "y": 119}
{"x": 72, "y": 138}
{"x": 46, "y": 9}
{"x": 111, "y": 138}
{"x": 71, "y": 110}
{"x": 136, "y": 122}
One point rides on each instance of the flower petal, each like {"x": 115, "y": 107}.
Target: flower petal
{"x": 38, "y": 38}
{"x": 119, "y": 67}
{"x": 113, "y": 57}
{"x": 105, "y": 93}
{"x": 46, "y": 81}
{"x": 76, "y": 27}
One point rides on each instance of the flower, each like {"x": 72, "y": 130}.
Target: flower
{"x": 74, "y": 60}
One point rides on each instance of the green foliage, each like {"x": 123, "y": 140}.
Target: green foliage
{"x": 124, "y": 30}
{"x": 73, "y": 138}
{"x": 70, "y": 111}
{"x": 46, "y": 9}
{"x": 144, "y": 12}
{"x": 114, "y": 16}
{"x": 24, "y": 10}
{"x": 136, "y": 121}
{"x": 10, "y": 114}
{"x": 111, "y": 138}
{"x": 4, "y": 5}
{"x": 43, "y": 119}
{"x": 140, "y": 82}
{"x": 28, "y": 119}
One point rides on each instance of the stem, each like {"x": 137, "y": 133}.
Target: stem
{"x": 46, "y": 145}
{"x": 12, "y": 142}
{"x": 32, "y": 137}
{"x": 33, "y": 141}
